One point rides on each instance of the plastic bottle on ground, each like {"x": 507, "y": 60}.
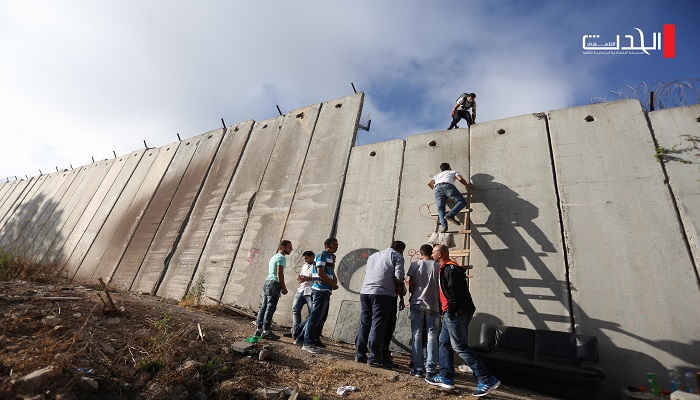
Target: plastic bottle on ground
{"x": 675, "y": 379}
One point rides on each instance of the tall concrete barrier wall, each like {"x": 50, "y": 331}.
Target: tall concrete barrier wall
{"x": 630, "y": 271}
{"x": 677, "y": 131}
{"x": 516, "y": 248}
{"x": 578, "y": 221}
{"x": 366, "y": 222}
{"x": 104, "y": 258}
{"x": 182, "y": 264}
{"x": 223, "y": 242}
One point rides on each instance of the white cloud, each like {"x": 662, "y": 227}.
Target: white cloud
{"x": 85, "y": 78}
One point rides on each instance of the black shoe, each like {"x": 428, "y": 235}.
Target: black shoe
{"x": 375, "y": 364}
{"x": 362, "y": 360}
{"x": 444, "y": 229}
{"x": 269, "y": 335}
{"x": 319, "y": 344}
{"x": 390, "y": 363}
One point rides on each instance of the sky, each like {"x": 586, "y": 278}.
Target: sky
{"x": 83, "y": 79}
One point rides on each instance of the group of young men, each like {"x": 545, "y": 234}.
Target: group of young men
{"x": 440, "y": 301}
{"x": 317, "y": 280}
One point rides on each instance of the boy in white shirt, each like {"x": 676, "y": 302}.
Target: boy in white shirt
{"x": 443, "y": 186}
{"x": 303, "y": 295}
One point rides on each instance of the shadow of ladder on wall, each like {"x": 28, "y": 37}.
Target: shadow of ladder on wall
{"x": 461, "y": 253}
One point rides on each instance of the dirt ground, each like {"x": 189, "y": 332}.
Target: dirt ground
{"x": 151, "y": 348}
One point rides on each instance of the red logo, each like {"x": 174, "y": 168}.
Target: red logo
{"x": 670, "y": 41}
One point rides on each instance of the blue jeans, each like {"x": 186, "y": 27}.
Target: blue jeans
{"x": 374, "y": 318}
{"x": 319, "y": 311}
{"x": 299, "y": 300}
{"x": 271, "y": 295}
{"x": 459, "y": 115}
{"x": 453, "y": 338}
{"x": 442, "y": 192}
{"x": 431, "y": 319}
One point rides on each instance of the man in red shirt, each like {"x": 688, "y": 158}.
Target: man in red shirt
{"x": 457, "y": 309}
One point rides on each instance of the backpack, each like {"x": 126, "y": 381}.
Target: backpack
{"x": 464, "y": 96}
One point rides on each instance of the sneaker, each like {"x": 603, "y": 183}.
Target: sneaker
{"x": 318, "y": 343}
{"x": 299, "y": 341}
{"x": 361, "y": 359}
{"x": 452, "y": 219}
{"x": 269, "y": 335}
{"x": 483, "y": 389}
{"x": 430, "y": 374}
{"x": 444, "y": 229}
{"x": 417, "y": 372}
{"x": 375, "y": 364}
{"x": 389, "y": 363}
{"x": 439, "y": 380}
{"x": 311, "y": 348}
{"x": 258, "y": 333}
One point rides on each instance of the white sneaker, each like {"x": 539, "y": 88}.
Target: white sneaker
{"x": 312, "y": 349}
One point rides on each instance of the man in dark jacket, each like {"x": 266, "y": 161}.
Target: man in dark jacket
{"x": 457, "y": 309}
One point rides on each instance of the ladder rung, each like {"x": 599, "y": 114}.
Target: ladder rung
{"x": 468, "y": 231}
{"x": 459, "y": 253}
{"x": 462, "y": 211}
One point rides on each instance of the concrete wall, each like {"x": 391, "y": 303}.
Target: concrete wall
{"x": 575, "y": 223}
{"x": 630, "y": 271}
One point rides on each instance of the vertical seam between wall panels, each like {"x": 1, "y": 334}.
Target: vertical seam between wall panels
{"x": 161, "y": 219}
{"x": 250, "y": 207}
{"x": 562, "y": 232}
{"x": 336, "y": 215}
{"x": 218, "y": 209}
{"x": 145, "y": 210}
{"x": 80, "y": 263}
{"x": 676, "y": 209}
{"x": 186, "y": 221}
{"x": 301, "y": 171}
{"x": 398, "y": 196}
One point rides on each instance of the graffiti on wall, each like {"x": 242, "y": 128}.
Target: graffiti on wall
{"x": 350, "y": 264}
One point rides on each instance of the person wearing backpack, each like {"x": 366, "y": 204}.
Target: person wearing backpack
{"x": 460, "y": 110}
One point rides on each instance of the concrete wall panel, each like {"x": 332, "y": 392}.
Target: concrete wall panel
{"x": 48, "y": 204}
{"x": 101, "y": 238}
{"x": 317, "y": 198}
{"x": 15, "y": 229}
{"x": 130, "y": 263}
{"x": 272, "y": 205}
{"x": 88, "y": 214}
{"x": 51, "y": 227}
{"x": 678, "y": 130}
{"x": 44, "y": 201}
{"x": 220, "y": 249}
{"x": 629, "y": 267}
{"x": 422, "y": 158}
{"x": 519, "y": 274}
{"x": 144, "y": 183}
{"x": 94, "y": 187}
{"x": 15, "y": 202}
{"x": 184, "y": 261}
{"x": 75, "y": 258}
{"x": 421, "y": 162}
{"x": 166, "y": 239}
{"x": 366, "y": 222}
{"x": 5, "y": 189}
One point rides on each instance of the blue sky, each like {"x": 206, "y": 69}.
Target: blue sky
{"x": 81, "y": 79}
